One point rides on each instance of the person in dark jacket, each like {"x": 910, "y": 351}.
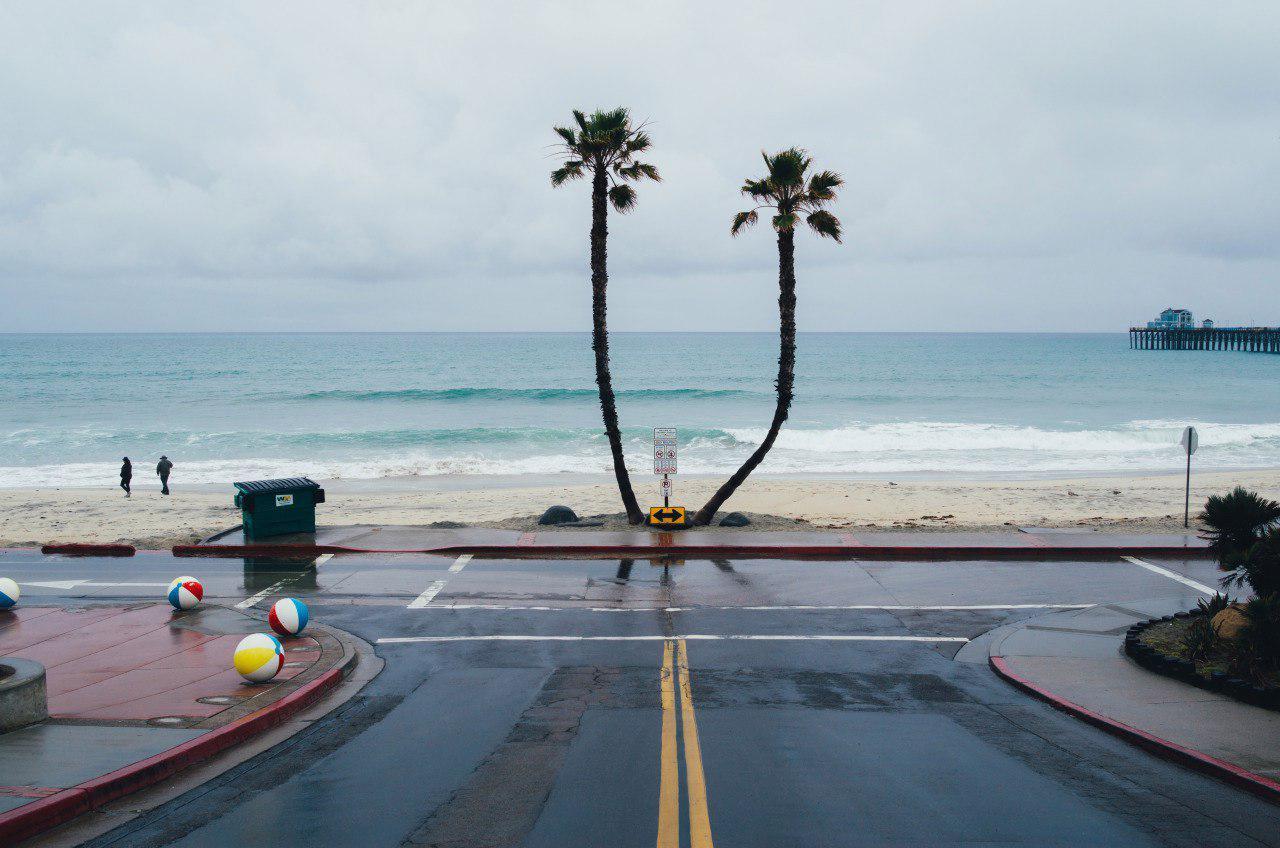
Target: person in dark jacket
{"x": 126, "y": 475}
{"x": 163, "y": 467}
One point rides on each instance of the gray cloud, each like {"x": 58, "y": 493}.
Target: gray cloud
{"x": 338, "y": 166}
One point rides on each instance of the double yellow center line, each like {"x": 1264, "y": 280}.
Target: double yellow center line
{"x": 675, "y": 674}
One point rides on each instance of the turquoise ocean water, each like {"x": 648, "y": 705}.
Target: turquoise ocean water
{"x": 371, "y": 406}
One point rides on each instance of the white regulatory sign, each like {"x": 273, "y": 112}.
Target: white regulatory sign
{"x": 1190, "y": 440}
{"x": 664, "y": 450}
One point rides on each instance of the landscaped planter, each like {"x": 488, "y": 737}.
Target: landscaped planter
{"x": 1185, "y": 670}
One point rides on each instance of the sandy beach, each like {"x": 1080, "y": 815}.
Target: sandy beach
{"x": 149, "y": 520}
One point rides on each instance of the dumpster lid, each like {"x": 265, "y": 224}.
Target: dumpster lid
{"x": 286, "y": 484}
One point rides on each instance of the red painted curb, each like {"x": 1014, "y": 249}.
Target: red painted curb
{"x": 86, "y": 549}
{"x": 1263, "y": 787}
{"x": 28, "y": 820}
{"x": 876, "y": 552}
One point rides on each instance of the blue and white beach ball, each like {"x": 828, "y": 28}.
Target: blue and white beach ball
{"x": 185, "y": 593}
{"x": 259, "y": 657}
{"x": 288, "y": 616}
{"x": 9, "y": 593}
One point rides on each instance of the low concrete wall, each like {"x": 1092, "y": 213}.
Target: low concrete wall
{"x": 23, "y": 699}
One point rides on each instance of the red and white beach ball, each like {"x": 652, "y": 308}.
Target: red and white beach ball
{"x": 185, "y": 593}
{"x": 8, "y": 593}
{"x": 288, "y": 616}
{"x": 259, "y": 657}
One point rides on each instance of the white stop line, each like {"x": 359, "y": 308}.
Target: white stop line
{"x": 818, "y": 637}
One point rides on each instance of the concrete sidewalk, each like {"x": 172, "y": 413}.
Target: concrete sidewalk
{"x": 136, "y": 693}
{"x": 1027, "y": 541}
{"x": 1075, "y": 660}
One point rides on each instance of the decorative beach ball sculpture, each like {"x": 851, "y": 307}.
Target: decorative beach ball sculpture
{"x": 259, "y": 657}
{"x": 288, "y": 616}
{"x": 9, "y": 593}
{"x": 185, "y": 593}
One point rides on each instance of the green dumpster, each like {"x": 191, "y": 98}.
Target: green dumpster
{"x": 276, "y": 507}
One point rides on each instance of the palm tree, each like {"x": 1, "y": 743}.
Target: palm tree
{"x": 785, "y": 190}
{"x": 605, "y": 144}
{"x": 1233, "y": 523}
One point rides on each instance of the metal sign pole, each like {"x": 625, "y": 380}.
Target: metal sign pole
{"x": 1190, "y": 441}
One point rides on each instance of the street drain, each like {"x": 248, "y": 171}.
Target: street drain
{"x": 168, "y": 721}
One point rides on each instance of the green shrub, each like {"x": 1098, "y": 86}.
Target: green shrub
{"x": 1262, "y": 634}
{"x": 1233, "y": 523}
{"x": 1260, "y": 568}
{"x": 1199, "y": 639}
{"x": 1212, "y": 606}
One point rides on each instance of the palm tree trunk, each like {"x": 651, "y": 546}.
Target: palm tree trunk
{"x": 786, "y": 374}
{"x": 600, "y": 340}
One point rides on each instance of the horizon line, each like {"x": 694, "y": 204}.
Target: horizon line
{"x": 547, "y": 332}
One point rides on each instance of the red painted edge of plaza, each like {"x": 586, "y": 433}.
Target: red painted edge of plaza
{"x": 1263, "y": 787}
{"x": 28, "y": 820}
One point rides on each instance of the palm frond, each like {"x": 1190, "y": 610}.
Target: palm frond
{"x": 787, "y": 167}
{"x": 649, "y": 171}
{"x": 757, "y": 189}
{"x": 822, "y": 185}
{"x": 581, "y": 119}
{"x": 623, "y": 197}
{"x": 784, "y": 221}
{"x": 569, "y": 136}
{"x": 639, "y": 142}
{"x": 569, "y": 171}
{"x": 743, "y": 220}
{"x": 825, "y": 224}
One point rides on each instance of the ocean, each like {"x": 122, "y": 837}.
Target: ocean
{"x": 371, "y": 406}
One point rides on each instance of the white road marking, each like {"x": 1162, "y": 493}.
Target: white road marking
{"x": 780, "y": 608}
{"x": 57, "y": 584}
{"x": 841, "y": 637}
{"x": 1172, "y": 575}
{"x": 75, "y": 584}
{"x": 274, "y": 587}
{"x": 429, "y": 595}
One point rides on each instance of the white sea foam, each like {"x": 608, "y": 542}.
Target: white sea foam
{"x": 880, "y": 448}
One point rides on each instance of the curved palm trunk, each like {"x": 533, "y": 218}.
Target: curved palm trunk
{"x": 600, "y": 341}
{"x": 786, "y": 374}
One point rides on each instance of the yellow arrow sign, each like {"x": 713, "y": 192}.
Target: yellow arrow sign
{"x": 666, "y": 516}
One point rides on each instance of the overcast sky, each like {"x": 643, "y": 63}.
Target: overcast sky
{"x": 1010, "y": 166}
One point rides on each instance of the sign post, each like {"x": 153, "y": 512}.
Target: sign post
{"x": 664, "y": 463}
{"x": 1190, "y": 441}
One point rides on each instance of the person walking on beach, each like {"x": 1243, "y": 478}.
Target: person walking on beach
{"x": 163, "y": 467}
{"x": 126, "y": 475}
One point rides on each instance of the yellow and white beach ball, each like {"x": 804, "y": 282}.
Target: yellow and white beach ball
{"x": 9, "y": 593}
{"x": 184, "y": 593}
{"x": 259, "y": 657}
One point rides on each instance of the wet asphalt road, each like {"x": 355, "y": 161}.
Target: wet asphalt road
{"x": 577, "y": 732}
